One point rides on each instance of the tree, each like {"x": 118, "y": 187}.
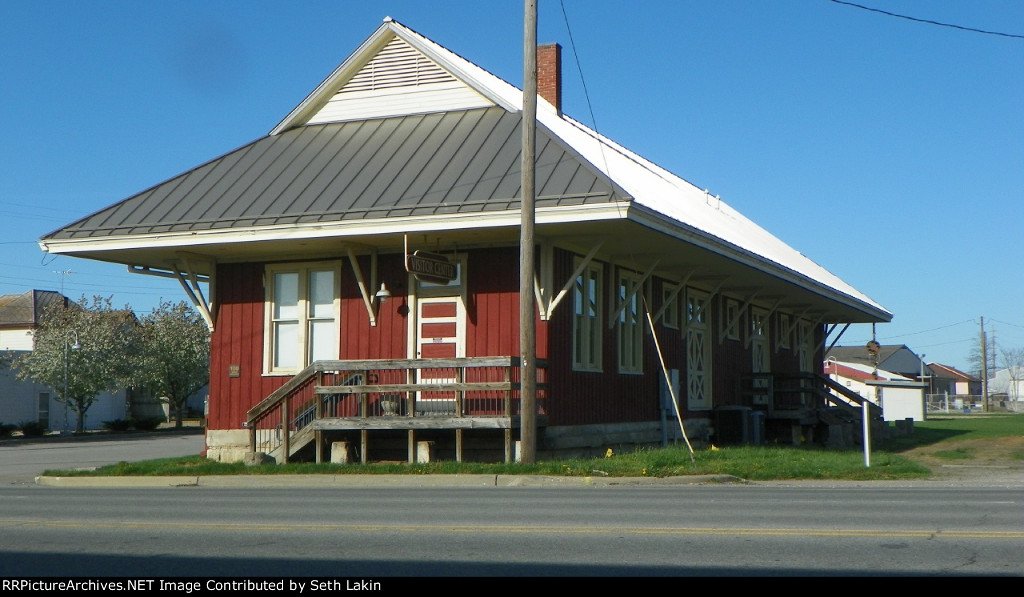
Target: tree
{"x": 175, "y": 355}
{"x": 976, "y": 361}
{"x": 80, "y": 350}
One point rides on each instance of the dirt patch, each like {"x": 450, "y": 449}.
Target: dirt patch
{"x": 972, "y": 457}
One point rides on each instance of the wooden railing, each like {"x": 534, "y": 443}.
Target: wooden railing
{"x": 778, "y": 393}
{"x": 412, "y": 388}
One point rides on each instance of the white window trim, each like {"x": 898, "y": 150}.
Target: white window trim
{"x": 302, "y": 345}
{"x": 732, "y": 320}
{"x": 594, "y": 323}
{"x": 783, "y": 336}
{"x": 670, "y": 305}
{"x": 755, "y": 331}
{"x": 629, "y": 324}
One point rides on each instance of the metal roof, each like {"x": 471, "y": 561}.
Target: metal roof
{"x": 24, "y": 310}
{"x": 437, "y": 162}
{"x": 418, "y": 165}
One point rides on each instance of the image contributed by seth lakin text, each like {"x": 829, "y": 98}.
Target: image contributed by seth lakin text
{"x": 293, "y": 586}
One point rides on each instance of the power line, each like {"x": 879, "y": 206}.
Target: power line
{"x": 927, "y": 21}
{"x": 1007, "y": 323}
{"x": 932, "y": 330}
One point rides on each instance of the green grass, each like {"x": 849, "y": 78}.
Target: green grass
{"x": 942, "y": 428}
{"x": 957, "y": 454}
{"x": 778, "y": 462}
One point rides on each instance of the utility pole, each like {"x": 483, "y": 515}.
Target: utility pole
{"x": 527, "y": 325}
{"x": 984, "y": 365}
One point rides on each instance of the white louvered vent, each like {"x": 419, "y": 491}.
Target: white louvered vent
{"x": 397, "y": 65}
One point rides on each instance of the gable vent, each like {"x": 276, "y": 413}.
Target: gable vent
{"x": 397, "y": 65}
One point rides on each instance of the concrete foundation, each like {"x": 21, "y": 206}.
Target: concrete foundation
{"x": 341, "y": 453}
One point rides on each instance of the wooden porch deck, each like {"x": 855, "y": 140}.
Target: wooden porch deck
{"x": 413, "y": 396}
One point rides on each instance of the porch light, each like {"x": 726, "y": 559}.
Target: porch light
{"x": 383, "y": 294}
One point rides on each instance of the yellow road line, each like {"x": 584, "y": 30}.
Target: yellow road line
{"x": 521, "y": 530}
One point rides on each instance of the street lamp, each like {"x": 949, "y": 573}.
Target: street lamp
{"x": 68, "y": 347}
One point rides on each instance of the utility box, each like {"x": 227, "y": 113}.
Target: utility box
{"x": 732, "y": 425}
{"x": 757, "y": 424}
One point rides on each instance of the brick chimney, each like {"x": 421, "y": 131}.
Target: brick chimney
{"x": 549, "y": 74}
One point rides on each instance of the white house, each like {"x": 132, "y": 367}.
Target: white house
{"x": 1008, "y": 382}
{"x": 24, "y": 401}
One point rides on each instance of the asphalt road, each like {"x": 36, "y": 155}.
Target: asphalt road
{"x": 719, "y": 530}
{"x": 22, "y": 459}
{"x": 967, "y": 523}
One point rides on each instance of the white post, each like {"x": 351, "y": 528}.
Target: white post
{"x": 867, "y": 431}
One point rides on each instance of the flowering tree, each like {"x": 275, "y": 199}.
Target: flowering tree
{"x": 80, "y": 350}
{"x": 175, "y": 354}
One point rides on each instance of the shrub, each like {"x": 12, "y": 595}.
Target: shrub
{"x": 118, "y": 425}
{"x": 31, "y": 428}
{"x": 148, "y": 424}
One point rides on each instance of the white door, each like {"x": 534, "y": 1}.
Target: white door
{"x": 440, "y": 327}
{"x": 698, "y": 350}
{"x": 759, "y": 352}
{"x": 439, "y": 333}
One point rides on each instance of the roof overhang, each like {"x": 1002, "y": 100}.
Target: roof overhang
{"x": 632, "y": 237}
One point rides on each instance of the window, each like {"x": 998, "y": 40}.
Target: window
{"x": 732, "y": 320}
{"x": 784, "y": 331}
{"x": 303, "y": 315}
{"x": 630, "y": 324}
{"x": 758, "y": 329}
{"x": 586, "y": 348}
{"x": 670, "y": 305}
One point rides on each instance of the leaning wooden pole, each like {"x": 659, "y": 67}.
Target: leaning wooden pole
{"x": 668, "y": 382}
{"x": 527, "y": 324}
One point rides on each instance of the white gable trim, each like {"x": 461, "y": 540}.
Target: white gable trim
{"x": 475, "y": 79}
{"x": 399, "y": 80}
{"x": 400, "y": 101}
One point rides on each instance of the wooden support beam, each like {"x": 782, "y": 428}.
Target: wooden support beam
{"x": 547, "y": 310}
{"x": 636, "y": 287}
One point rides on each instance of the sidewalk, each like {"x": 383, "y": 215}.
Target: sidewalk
{"x": 356, "y": 480}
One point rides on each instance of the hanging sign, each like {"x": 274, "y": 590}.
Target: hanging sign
{"x": 430, "y": 267}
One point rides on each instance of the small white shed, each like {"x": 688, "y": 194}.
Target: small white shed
{"x": 900, "y": 400}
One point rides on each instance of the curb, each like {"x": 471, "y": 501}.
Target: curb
{"x": 271, "y": 481}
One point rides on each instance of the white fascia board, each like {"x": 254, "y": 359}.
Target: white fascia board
{"x": 390, "y": 225}
{"x": 755, "y": 260}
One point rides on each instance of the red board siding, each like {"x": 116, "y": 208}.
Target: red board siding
{"x": 388, "y": 339}
{"x": 237, "y": 342}
{"x": 579, "y": 398}
{"x": 492, "y": 316}
{"x": 492, "y": 309}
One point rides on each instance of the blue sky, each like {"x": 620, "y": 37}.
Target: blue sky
{"x": 888, "y": 150}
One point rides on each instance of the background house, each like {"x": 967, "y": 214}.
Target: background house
{"x": 949, "y": 380}
{"x": 898, "y": 396}
{"x": 24, "y": 400}
{"x": 894, "y": 358}
{"x": 1006, "y": 389}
